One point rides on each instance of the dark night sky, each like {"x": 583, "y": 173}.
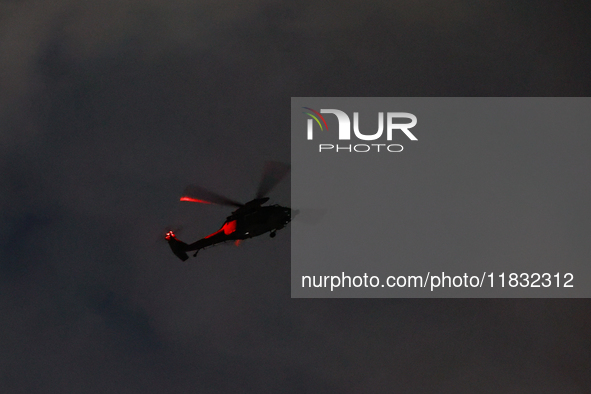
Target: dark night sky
{"x": 109, "y": 109}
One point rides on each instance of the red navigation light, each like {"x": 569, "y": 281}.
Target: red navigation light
{"x": 229, "y": 227}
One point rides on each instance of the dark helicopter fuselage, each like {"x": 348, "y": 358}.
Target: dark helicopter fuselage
{"x": 248, "y": 221}
{"x": 259, "y": 221}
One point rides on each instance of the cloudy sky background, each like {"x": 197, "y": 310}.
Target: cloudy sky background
{"x": 109, "y": 109}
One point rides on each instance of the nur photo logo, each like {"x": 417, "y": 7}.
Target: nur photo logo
{"x": 392, "y": 121}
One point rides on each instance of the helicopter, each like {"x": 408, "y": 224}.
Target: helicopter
{"x": 251, "y": 219}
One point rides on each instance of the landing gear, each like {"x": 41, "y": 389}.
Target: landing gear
{"x": 273, "y": 234}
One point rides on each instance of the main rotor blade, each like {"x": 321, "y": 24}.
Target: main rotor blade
{"x": 200, "y": 194}
{"x": 273, "y": 173}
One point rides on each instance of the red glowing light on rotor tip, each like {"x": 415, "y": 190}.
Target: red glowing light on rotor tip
{"x": 194, "y": 200}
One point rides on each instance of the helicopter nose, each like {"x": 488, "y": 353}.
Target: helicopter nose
{"x": 290, "y": 214}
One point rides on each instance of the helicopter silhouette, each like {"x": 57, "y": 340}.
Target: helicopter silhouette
{"x": 249, "y": 220}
